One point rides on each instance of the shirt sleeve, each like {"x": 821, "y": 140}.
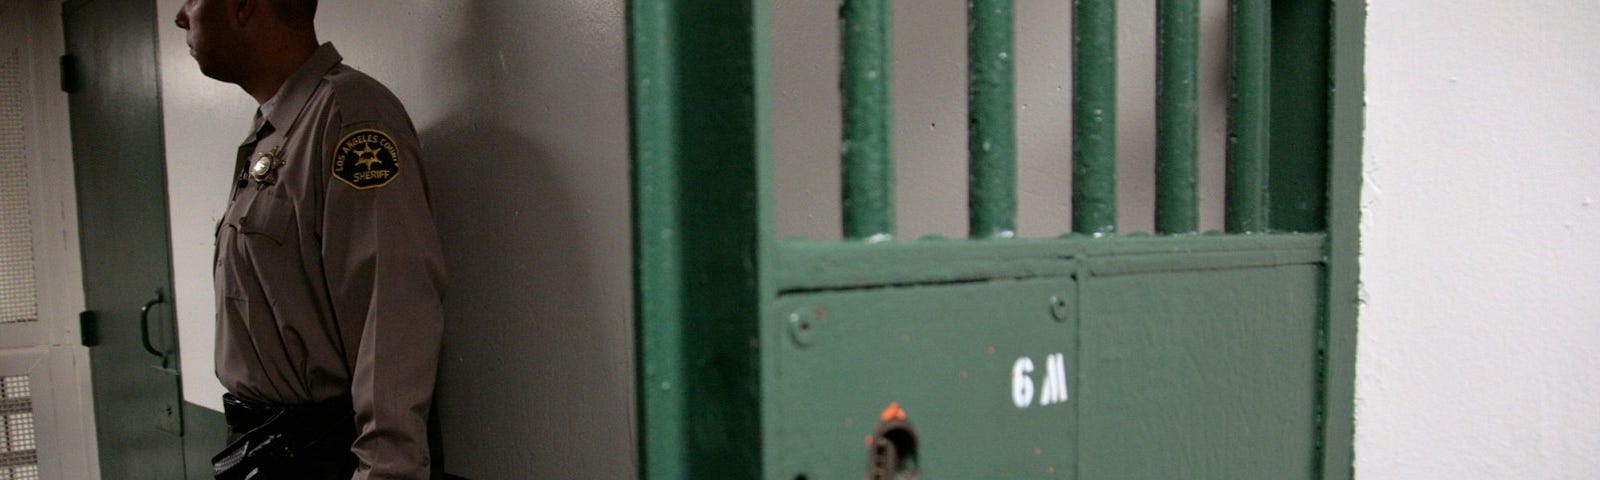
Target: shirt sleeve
{"x": 385, "y": 276}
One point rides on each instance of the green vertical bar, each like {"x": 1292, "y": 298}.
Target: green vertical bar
{"x": 657, "y": 294}
{"x": 991, "y": 129}
{"x": 1178, "y": 127}
{"x": 868, "y": 192}
{"x": 698, "y": 216}
{"x": 1094, "y": 117}
{"x": 1346, "y": 88}
{"x": 1249, "y": 108}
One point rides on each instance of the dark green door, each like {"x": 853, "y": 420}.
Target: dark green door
{"x": 122, "y": 215}
{"x": 1093, "y": 354}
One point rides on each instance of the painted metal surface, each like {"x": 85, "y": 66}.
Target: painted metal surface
{"x": 804, "y": 265}
{"x": 992, "y": 119}
{"x": 1094, "y": 117}
{"x": 122, "y": 218}
{"x": 1337, "y": 338}
{"x": 953, "y": 362}
{"x": 1248, "y": 114}
{"x": 1195, "y": 356}
{"x": 1086, "y": 356}
{"x": 1208, "y": 374}
{"x": 1178, "y": 114}
{"x": 868, "y": 195}
{"x": 695, "y": 127}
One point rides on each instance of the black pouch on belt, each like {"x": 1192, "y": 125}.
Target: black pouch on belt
{"x": 289, "y": 442}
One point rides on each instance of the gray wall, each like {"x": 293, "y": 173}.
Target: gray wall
{"x": 521, "y": 107}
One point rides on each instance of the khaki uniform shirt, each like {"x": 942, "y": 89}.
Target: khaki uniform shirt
{"x": 329, "y": 274}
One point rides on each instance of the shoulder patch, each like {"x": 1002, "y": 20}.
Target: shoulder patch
{"x": 366, "y": 159}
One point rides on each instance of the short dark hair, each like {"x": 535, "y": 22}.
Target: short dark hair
{"x": 295, "y": 12}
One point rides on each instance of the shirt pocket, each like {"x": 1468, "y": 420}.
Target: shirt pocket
{"x": 268, "y": 221}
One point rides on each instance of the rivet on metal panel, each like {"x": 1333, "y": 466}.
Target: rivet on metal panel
{"x": 801, "y": 324}
{"x": 1060, "y": 308}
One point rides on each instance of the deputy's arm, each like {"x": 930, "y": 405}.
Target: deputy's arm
{"x": 385, "y": 274}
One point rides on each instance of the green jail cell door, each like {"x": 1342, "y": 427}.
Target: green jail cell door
{"x": 1095, "y": 355}
{"x": 1072, "y": 358}
{"x": 110, "y": 75}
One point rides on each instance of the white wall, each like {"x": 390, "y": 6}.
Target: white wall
{"x": 203, "y": 121}
{"x": 1479, "y": 352}
{"x": 522, "y": 111}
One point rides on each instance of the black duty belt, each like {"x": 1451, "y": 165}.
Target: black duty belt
{"x": 287, "y": 441}
{"x": 245, "y": 415}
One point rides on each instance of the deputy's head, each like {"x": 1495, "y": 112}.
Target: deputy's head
{"x": 228, "y": 37}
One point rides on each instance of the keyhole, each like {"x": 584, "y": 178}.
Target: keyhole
{"x": 894, "y": 454}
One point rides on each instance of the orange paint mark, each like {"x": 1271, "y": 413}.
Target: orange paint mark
{"x": 869, "y": 441}
{"x": 893, "y": 412}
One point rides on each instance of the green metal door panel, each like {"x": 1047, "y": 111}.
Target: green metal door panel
{"x": 1168, "y": 356}
{"x": 940, "y": 361}
{"x": 1199, "y": 375}
{"x": 122, "y": 215}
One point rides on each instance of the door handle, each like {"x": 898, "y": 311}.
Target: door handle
{"x": 144, "y": 324}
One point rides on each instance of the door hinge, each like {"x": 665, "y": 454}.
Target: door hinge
{"x": 70, "y": 82}
{"x": 88, "y": 329}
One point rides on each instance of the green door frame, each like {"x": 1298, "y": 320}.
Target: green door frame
{"x": 701, "y": 231}
{"x": 708, "y": 269}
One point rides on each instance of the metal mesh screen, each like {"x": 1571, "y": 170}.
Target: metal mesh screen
{"x": 19, "y": 457}
{"x": 17, "y": 296}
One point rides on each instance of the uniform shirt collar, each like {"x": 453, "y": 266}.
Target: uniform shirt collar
{"x": 284, "y": 108}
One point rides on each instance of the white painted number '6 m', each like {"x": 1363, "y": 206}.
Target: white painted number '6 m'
{"x": 1055, "y": 381}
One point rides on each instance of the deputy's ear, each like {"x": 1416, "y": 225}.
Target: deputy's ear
{"x": 244, "y": 11}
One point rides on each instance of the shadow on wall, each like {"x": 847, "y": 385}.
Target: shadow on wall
{"x": 536, "y": 374}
